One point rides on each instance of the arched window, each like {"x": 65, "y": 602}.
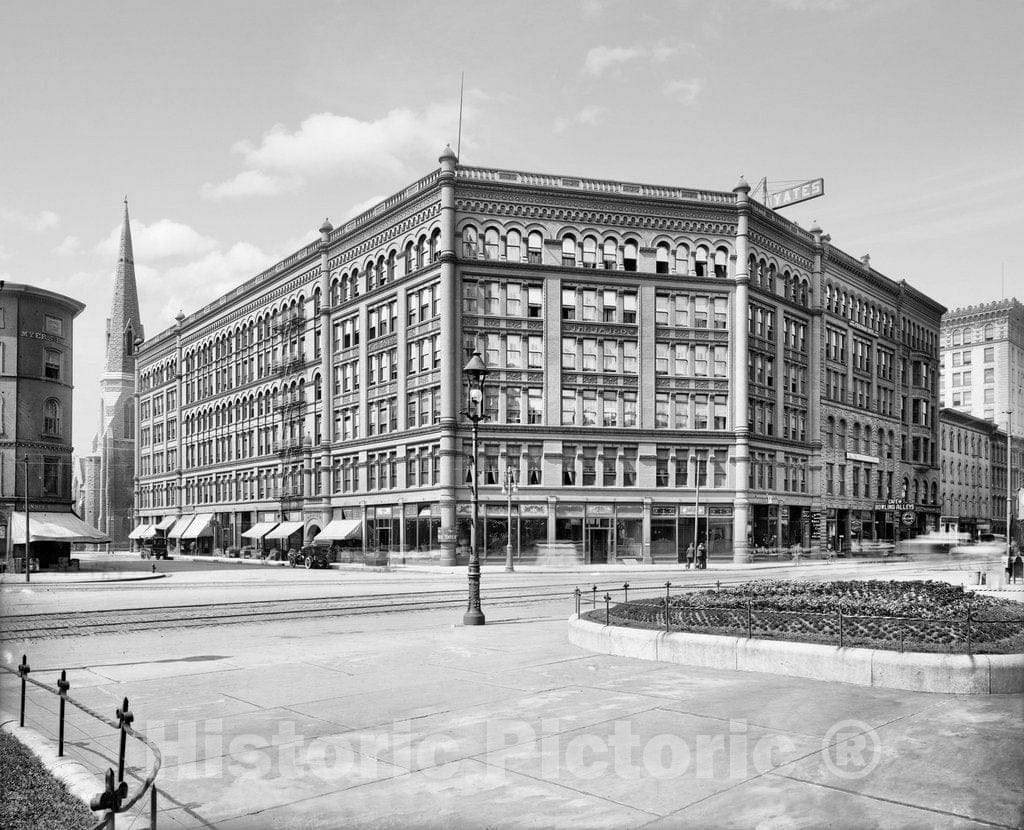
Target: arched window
{"x": 610, "y": 255}
{"x": 569, "y": 251}
{"x": 491, "y": 243}
{"x": 589, "y": 252}
{"x": 629, "y": 255}
{"x": 661, "y": 259}
{"x": 700, "y": 266}
{"x": 957, "y": 337}
{"x": 721, "y": 264}
{"x": 534, "y": 247}
{"x": 51, "y": 417}
{"x": 514, "y": 246}
{"x": 682, "y": 260}
{"x": 470, "y": 243}
{"x": 990, "y": 331}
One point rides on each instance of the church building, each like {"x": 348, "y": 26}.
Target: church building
{"x": 109, "y": 469}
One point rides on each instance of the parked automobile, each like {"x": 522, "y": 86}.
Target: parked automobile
{"x": 155, "y": 548}
{"x": 311, "y": 556}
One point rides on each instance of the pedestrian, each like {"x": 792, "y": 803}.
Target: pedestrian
{"x": 689, "y": 556}
{"x": 702, "y": 556}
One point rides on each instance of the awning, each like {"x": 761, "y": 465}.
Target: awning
{"x": 259, "y": 530}
{"x": 142, "y": 532}
{"x": 180, "y": 526}
{"x": 167, "y": 523}
{"x": 284, "y": 530}
{"x": 339, "y": 530}
{"x": 54, "y": 527}
{"x": 200, "y": 526}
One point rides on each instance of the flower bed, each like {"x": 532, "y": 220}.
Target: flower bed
{"x": 918, "y": 616}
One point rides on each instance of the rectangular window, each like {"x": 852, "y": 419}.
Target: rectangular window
{"x": 54, "y": 325}
{"x": 52, "y": 364}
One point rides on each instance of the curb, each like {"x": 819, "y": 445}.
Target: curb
{"x": 81, "y": 783}
{"x": 978, "y": 674}
{"x": 137, "y": 577}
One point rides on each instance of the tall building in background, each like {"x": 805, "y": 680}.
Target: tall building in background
{"x": 109, "y": 470}
{"x": 664, "y": 362}
{"x": 36, "y": 360}
{"x": 983, "y": 362}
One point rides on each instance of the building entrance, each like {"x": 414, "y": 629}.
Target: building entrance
{"x": 598, "y": 540}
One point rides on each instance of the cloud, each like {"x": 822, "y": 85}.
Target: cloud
{"x": 325, "y": 144}
{"x": 34, "y": 222}
{"x": 163, "y": 239}
{"x": 250, "y": 183}
{"x": 70, "y": 245}
{"x": 613, "y": 59}
{"x": 4, "y": 253}
{"x": 588, "y": 116}
{"x": 602, "y": 58}
{"x": 684, "y": 91}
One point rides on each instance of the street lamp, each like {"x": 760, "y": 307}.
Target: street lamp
{"x": 696, "y": 513}
{"x": 28, "y": 530}
{"x": 476, "y": 372}
{"x": 508, "y": 487}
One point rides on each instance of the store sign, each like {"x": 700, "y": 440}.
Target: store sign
{"x": 908, "y": 518}
{"x": 895, "y": 504}
{"x": 801, "y": 193}
{"x": 864, "y": 459}
{"x": 446, "y": 535}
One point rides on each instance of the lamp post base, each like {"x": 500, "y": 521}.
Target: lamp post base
{"x": 473, "y": 617}
{"x": 509, "y": 567}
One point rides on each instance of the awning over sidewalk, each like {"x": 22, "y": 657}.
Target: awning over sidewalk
{"x": 180, "y": 526}
{"x": 258, "y": 530}
{"x": 200, "y": 526}
{"x": 142, "y": 532}
{"x": 167, "y": 523}
{"x": 54, "y": 527}
{"x": 284, "y": 530}
{"x": 339, "y": 530}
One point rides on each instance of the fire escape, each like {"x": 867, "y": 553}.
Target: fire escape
{"x": 291, "y": 406}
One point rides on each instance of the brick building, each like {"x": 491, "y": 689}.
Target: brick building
{"x": 659, "y": 357}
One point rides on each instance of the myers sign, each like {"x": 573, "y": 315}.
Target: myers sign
{"x": 800, "y": 193}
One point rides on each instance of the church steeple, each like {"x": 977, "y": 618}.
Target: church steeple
{"x": 124, "y": 325}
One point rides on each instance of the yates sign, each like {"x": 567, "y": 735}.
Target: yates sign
{"x": 801, "y": 193}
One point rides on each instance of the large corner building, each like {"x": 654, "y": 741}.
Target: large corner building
{"x": 109, "y": 469}
{"x": 664, "y": 363}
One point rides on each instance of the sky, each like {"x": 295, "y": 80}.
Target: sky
{"x": 235, "y": 127}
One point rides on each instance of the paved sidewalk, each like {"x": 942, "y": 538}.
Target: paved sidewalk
{"x": 416, "y": 721}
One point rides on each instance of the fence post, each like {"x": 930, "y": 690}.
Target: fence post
{"x": 748, "y": 619}
{"x": 969, "y": 645}
{"x": 124, "y": 720}
{"x": 667, "y": 627}
{"x": 718, "y": 586}
{"x": 577, "y": 593}
{"x": 23, "y": 670}
{"x": 152, "y": 806}
{"x": 62, "y": 689}
{"x": 625, "y": 592}
{"x": 840, "y": 628}
{"x": 899, "y": 627}
{"x": 594, "y": 600}
{"x": 607, "y": 608}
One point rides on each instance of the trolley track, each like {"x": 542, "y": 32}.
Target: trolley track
{"x": 44, "y": 626}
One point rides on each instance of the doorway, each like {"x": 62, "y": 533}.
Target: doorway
{"x": 598, "y": 540}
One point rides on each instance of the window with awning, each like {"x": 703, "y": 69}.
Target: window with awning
{"x": 54, "y": 527}
{"x": 200, "y": 526}
{"x": 339, "y": 530}
{"x": 259, "y": 530}
{"x": 284, "y": 530}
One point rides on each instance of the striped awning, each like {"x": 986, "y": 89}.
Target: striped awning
{"x": 339, "y": 530}
{"x": 167, "y": 523}
{"x": 284, "y": 530}
{"x": 259, "y": 530}
{"x": 54, "y": 527}
{"x": 142, "y": 532}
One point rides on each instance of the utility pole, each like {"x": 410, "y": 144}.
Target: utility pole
{"x": 28, "y": 531}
